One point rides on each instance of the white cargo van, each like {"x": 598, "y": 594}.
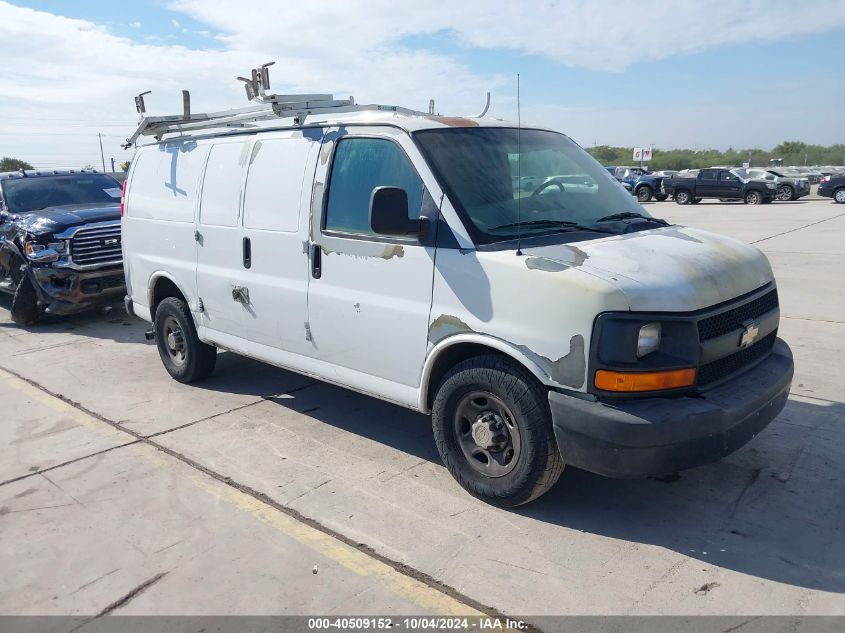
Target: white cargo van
{"x": 494, "y": 276}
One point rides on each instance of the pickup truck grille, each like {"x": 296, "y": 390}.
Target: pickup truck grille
{"x": 730, "y": 320}
{"x": 97, "y": 246}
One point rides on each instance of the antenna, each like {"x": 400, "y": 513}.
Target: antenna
{"x": 518, "y": 170}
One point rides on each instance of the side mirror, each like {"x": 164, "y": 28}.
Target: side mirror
{"x": 389, "y": 214}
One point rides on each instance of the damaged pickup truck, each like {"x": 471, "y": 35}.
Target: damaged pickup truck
{"x": 60, "y": 250}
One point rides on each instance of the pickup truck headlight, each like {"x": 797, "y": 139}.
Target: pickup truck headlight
{"x": 648, "y": 340}
{"x": 40, "y": 252}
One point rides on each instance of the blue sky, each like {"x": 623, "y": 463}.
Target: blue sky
{"x": 748, "y": 73}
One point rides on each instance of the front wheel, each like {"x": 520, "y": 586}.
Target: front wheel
{"x": 644, "y": 193}
{"x": 786, "y": 193}
{"x": 753, "y": 197}
{"x": 839, "y": 195}
{"x": 185, "y": 357}
{"x": 25, "y": 309}
{"x": 493, "y": 430}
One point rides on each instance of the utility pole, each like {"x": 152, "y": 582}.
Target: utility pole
{"x": 102, "y": 156}
{"x": 112, "y": 164}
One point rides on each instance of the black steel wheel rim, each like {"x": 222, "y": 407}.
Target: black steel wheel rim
{"x": 487, "y": 433}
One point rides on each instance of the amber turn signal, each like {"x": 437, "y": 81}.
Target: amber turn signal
{"x": 644, "y": 381}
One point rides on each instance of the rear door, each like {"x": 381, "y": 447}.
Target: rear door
{"x": 219, "y": 243}
{"x": 730, "y": 186}
{"x": 707, "y": 185}
{"x": 369, "y": 296}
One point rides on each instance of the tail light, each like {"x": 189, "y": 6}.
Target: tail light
{"x": 123, "y": 198}
{"x": 825, "y": 179}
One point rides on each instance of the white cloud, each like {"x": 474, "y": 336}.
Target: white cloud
{"x": 136, "y": 25}
{"x": 59, "y": 67}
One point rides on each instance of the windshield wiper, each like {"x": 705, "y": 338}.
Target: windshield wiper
{"x": 630, "y": 214}
{"x": 561, "y": 224}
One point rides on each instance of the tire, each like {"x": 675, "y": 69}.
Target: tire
{"x": 682, "y": 197}
{"x": 786, "y": 193}
{"x": 839, "y": 195}
{"x": 185, "y": 357}
{"x": 661, "y": 197}
{"x": 497, "y": 392}
{"x": 645, "y": 193}
{"x": 753, "y": 197}
{"x": 25, "y": 309}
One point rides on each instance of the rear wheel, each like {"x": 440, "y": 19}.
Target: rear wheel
{"x": 786, "y": 193}
{"x": 839, "y": 195}
{"x": 644, "y": 193}
{"x": 186, "y": 358}
{"x": 682, "y": 197}
{"x": 493, "y": 430}
{"x": 25, "y": 309}
{"x": 753, "y": 197}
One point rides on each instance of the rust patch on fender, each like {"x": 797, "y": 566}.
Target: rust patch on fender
{"x": 444, "y": 326}
{"x": 453, "y": 121}
{"x": 569, "y": 370}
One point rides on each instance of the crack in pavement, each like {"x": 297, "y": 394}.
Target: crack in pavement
{"x": 67, "y": 463}
{"x": 401, "y": 568}
{"x": 126, "y": 599}
{"x": 800, "y": 228}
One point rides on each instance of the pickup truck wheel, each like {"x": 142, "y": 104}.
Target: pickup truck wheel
{"x": 185, "y": 357}
{"x": 25, "y": 310}
{"x": 661, "y": 197}
{"x": 493, "y": 430}
{"x": 753, "y": 197}
{"x": 786, "y": 193}
{"x": 839, "y": 195}
{"x": 644, "y": 193}
{"x": 682, "y": 197}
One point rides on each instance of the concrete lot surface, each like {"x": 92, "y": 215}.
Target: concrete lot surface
{"x": 126, "y": 492}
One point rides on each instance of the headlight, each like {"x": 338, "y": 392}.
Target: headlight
{"x": 648, "y": 339}
{"x": 59, "y": 247}
{"x": 41, "y": 253}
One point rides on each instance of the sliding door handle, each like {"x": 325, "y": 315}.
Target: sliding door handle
{"x": 247, "y": 252}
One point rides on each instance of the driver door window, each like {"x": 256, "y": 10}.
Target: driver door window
{"x": 360, "y": 165}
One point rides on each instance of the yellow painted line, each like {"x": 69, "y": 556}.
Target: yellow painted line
{"x": 428, "y": 598}
{"x": 60, "y": 406}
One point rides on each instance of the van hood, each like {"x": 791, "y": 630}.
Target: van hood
{"x": 669, "y": 269}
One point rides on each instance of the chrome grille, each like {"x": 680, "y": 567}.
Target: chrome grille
{"x": 96, "y": 246}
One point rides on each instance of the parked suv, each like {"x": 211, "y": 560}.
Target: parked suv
{"x": 397, "y": 255}
{"x": 643, "y": 184}
{"x": 59, "y": 242}
{"x": 833, "y": 187}
{"x": 788, "y": 187}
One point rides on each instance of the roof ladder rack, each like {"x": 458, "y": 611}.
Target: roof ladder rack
{"x": 269, "y": 106}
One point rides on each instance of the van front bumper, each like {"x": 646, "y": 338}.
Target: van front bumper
{"x": 653, "y": 436}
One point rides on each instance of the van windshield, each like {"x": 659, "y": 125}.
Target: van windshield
{"x": 531, "y": 182}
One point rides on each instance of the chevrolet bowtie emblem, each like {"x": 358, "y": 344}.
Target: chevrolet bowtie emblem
{"x": 749, "y": 335}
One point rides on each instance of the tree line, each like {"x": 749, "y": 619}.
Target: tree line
{"x": 792, "y": 153}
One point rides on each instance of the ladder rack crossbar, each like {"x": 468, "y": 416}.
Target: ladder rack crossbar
{"x": 161, "y": 125}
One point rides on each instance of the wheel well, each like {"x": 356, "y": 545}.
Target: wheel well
{"x": 162, "y": 289}
{"x": 455, "y": 354}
